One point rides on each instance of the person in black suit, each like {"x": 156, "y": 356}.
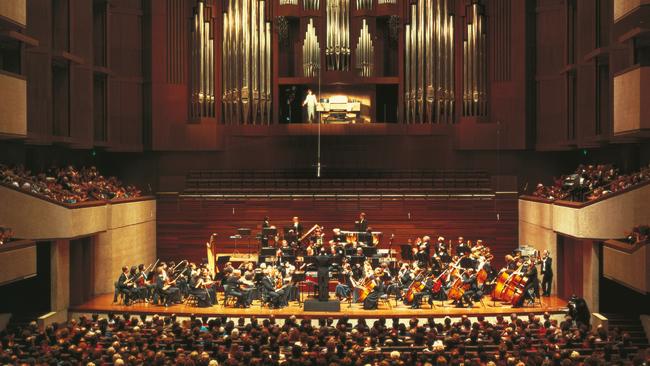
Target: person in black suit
{"x": 232, "y": 288}
{"x": 123, "y": 285}
{"x": 296, "y": 227}
{"x": 547, "y": 273}
{"x": 361, "y": 225}
{"x": 275, "y": 297}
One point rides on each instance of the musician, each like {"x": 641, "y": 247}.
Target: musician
{"x": 137, "y": 293}
{"x": 199, "y": 291}
{"x": 511, "y": 264}
{"x": 547, "y": 273}
{"x": 441, "y": 250}
{"x": 124, "y": 286}
{"x": 427, "y": 291}
{"x": 336, "y": 251}
{"x": 337, "y": 237}
{"x": 472, "y": 291}
{"x": 267, "y": 285}
{"x": 462, "y": 248}
{"x": 232, "y": 287}
{"x": 264, "y": 239}
{"x": 310, "y": 101}
{"x": 345, "y": 283}
{"x": 531, "y": 290}
{"x": 296, "y": 226}
{"x": 372, "y": 300}
{"x": 362, "y": 224}
{"x": 144, "y": 282}
{"x": 207, "y": 283}
{"x": 165, "y": 286}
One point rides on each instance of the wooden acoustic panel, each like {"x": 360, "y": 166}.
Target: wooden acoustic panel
{"x": 185, "y": 225}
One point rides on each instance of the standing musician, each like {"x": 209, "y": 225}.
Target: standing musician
{"x": 547, "y": 273}
{"x": 264, "y": 238}
{"x": 124, "y": 285}
{"x": 165, "y": 286}
{"x": 296, "y": 226}
{"x": 362, "y": 224}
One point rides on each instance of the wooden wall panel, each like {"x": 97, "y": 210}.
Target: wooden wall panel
{"x": 185, "y": 225}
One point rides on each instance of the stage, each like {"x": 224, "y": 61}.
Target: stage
{"x": 104, "y": 304}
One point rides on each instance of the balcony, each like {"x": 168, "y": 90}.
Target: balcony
{"x": 14, "y": 12}
{"x": 631, "y": 110}
{"x": 13, "y": 104}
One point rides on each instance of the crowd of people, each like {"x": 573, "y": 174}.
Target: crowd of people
{"x": 6, "y": 234}
{"x": 640, "y": 234}
{"x": 67, "y": 185}
{"x": 590, "y": 182}
{"x": 155, "y": 340}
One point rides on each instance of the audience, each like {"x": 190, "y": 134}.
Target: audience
{"x": 126, "y": 340}
{"x": 6, "y": 234}
{"x": 639, "y": 235}
{"x": 67, "y": 185}
{"x": 591, "y": 182}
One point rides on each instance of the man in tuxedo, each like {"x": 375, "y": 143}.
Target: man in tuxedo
{"x": 462, "y": 248}
{"x": 361, "y": 225}
{"x": 297, "y": 227}
{"x": 124, "y": 286}
{"x": 547, "y": 273}
{"x": 274, "y": 297}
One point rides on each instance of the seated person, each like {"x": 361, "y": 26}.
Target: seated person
{"x": 124, "y": 285}
{"x": 165, "y": 286}
{"x": 275, "y": 297}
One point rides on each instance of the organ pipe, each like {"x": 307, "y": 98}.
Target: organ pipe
{"x": 383, "y": 2}
{"x": 288, "y": 2}
{"x": 429, "y": 62}
{"x": 202, "y": 62}
{"x": 310, "y": 52}
{"x": 246, "y": 64}
{"x": 337, "y": 51}
{"x": 364, "y": 4}
{"x": 365, "y": 52}
{"x": 311, "y": 4}
{"x": 475, "y": 63}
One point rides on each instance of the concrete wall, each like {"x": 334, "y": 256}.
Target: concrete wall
{"x": 13, "y": 102}
{"x": 536, "y": 230}
{"x": 14, "y": 10}
{"x": 123, "y": 233}
{"x": 629, "y": 269}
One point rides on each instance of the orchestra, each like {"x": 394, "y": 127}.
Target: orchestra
{"x": 461, "y": 274}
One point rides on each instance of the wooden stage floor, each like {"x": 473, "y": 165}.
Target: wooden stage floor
{"x": 104, "y": 304}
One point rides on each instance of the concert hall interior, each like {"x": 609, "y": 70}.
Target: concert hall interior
{"x": 325, "y": 182}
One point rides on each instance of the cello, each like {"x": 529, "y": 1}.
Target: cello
{"x": 416, "y": 286}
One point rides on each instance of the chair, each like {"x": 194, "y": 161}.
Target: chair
{"x": 191, "y": 300}
{"x": 384, "y": 299}
{"x": 227, "y": 298}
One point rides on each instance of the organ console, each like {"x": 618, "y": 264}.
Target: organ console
{"x": 338, "y": 109}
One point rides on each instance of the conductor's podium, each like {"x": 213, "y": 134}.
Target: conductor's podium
{"x": 338, "y": 109}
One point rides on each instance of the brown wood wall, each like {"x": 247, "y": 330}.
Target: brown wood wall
{"x": 185, "y": 225}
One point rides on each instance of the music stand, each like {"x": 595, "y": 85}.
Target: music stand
{"x": 245, "y": 232}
